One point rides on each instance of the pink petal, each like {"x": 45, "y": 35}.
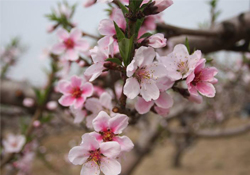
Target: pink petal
{"x": 101, "y": 122}
{"x": 110, "y": 166}
{"x": 87, "y": 89}
{"x": 106, "y": 100}
{"x": 89, "y": 142}
{"x": 131, "y": 88}
{"x": 125, "y": 143}
{"x": 106, "y": 27}
{"x": 90, "y": 168}
{"x": 200, "y": 65}
{"x": 190, "y": 78}
{"x": 66, "y": 100}
{"x": 195, "y": 98}
{"x": 58, "y": 48}
{"x": 206, "y": 89}
{"x": 64, "y": 86}
{"x": 142, "y": 106}
{"x": 95, "y": 70}
{"x": 208, "y": 73}
{"x": 149, "y": 91}
{"x": 81, "y": 45}
{"x": 75, "y": 34}
{"x": 164, "y": 100}
{"x": 162, "y": 111}
{"x": 76, "y": 81}
{"x": 71, "y": 55}
{"x": 131, "y": 68}
{"x": 78, "y": 155}
{"x": 110, "y": 149}
{"x": 97, "y": 136}
{"x": 93, "y": 105}
{"x": 144, "y": 56}
{"x": 118, "y": 123}
{"x": 62, "y": 34}
{"x": 79, "y": 102}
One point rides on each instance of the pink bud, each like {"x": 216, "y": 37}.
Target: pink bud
{"x": 163, "y": 4}
{"x": 28, "y": 102}
{"x": 89, "y": 3}
{"x": 81, "y": 63}
{"x": 157, "y": 41}
{"x": 52, "y": 105}
{"x": 36, "y": 123}
{"x": 50, "y": 28}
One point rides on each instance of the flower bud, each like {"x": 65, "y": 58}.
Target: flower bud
{"x": 157, "y": 41}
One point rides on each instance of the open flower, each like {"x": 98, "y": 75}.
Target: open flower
{"x": 13, "y": 143}
{"x": 95, "y": 157}
{"x": 179, "y": 63}
{"x": 164, "y": 101}
{"x": 202, "y": 79}
{"x": 109, "y": 129}
{"x": 74, "y": 92}
{"x": 143, "y": 73}
{"x": 70, "y": 44}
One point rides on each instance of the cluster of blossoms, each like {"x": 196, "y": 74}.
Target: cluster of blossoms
{"x": 147, "y": 78}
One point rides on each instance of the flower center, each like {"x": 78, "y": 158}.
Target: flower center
{"x": 69, "y": 43}
{"x": 183, "y": 67}
{"x": 143, "y": 74}
{"x": 95, "y": 156}
{"x": 14, "y": 144}
{"x": 107, "y": 135}
{"x": 76, "y": 92}
{"x": 197, "y": 78}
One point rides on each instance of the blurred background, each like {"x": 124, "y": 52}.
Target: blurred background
{"x": 26, "y": 20}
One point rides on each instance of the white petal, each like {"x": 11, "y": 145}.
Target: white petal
{"x": 131, "y": 88}
{"x": 110, "y": 166}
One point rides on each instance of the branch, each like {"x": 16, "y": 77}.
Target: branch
{"x": 222, "y": 36}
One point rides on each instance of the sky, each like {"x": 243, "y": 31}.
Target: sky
{"x": 25, "y": 18}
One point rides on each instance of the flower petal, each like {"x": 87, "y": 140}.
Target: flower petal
{"x": 58, "y": 48}
{"x": 106, "y": 100}
{"x": 131, "y": 88}
{"x": 143, "y": 106}
{"x": 76, "y": 81}
{"x": 78, "y": 155}
{"x": 149, "y": 91}
{"x": 206, "y": 89}
{"x": 71, "y": 55}
{"x": 144, "y": 56}
{"x": 90, "y": 168}
{"x": 131, "y": 68}
{"x": 81, "y": 45}
{"x": 106, "y": 27}
{"x": 110, "y": 166}
{"x": 125, "y": 143}
{"x": 75, "y": 34}
{"x": 118, "y": 123}
{"x": 62, "y": 34}
{"x": 89, "y": 142}
{"x": 66, "y": 100}
{"x": 79, "y": 102}
{"x": 87, "y": 89}
{"x": 101, "y": 122}
{"x": 164, "y": 100}
{"x": 64, "y": 86}
{"x": 95, "y": 70}
{"x": 110, "y": 149}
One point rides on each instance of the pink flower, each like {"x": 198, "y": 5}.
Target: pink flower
{"x": 202, "y": 79}
{"x": 13, "y": 143}
{"x": 70, "y": 44}
{"x": 24, "y": 163}
{"x": 28, "y": 102}
{"x": 74, "y": 92}
{"x": 164, "y": 101}
{"x": 142, "y": 74}
{"x": 95, "y": 105}
{"x": 96, "y": 157}
{"x": 157, "y": 40}
{"x": 179, "y": 63}
{"x": 109, "y": 129}
{"x": 195, "y": 98}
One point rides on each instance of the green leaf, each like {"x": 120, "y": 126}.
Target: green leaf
{"x": 138, "y": 26}
{"x": 209, "y": 60}
{"x": 119, "y": 33}
{"x": 134, "y": 5}
{"x": 145, "y": 35}
{"x": 115, "y": 60}
{"x": 125, "y": 47}
{"x": 187, "y": 45}
{"x": 123, "y": 8}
